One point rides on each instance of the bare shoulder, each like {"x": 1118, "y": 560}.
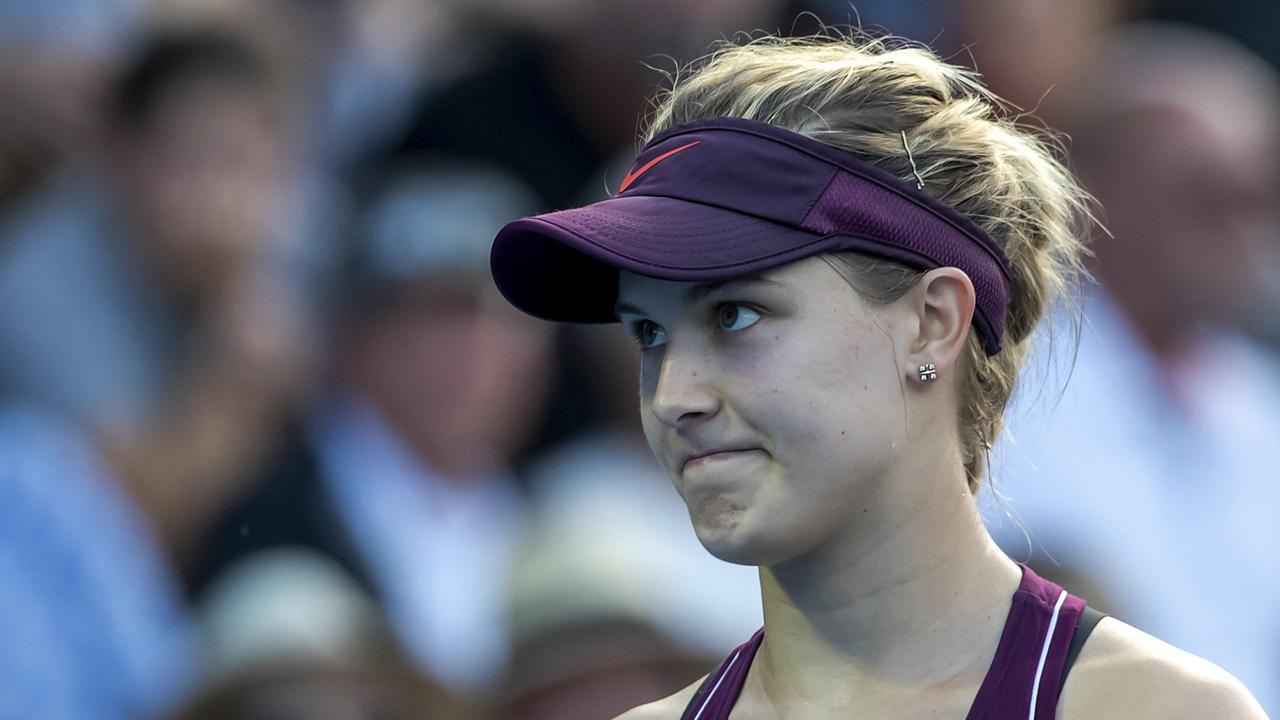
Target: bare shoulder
{"x": 1123, "y": 672}
{"x": 668, "y": 708}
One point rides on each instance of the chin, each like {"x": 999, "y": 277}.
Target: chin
{"x": 718, "y": 524}
{"x": 739, "y": 544}
{"x": 725, "y": 549}
{"x": 747, "y": 542}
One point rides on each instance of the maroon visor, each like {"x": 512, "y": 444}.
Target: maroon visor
{"x": 726, "y": 197}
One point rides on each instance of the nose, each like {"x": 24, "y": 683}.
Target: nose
{"x": 682, "y": 390}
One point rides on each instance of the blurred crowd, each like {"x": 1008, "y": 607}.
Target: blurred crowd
{"x": 272, "y": 446}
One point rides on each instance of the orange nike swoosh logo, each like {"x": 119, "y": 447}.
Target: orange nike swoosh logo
{"x": 632, "y": 176}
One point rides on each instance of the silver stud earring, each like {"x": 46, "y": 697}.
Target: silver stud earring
{"x": 928, "y": 373}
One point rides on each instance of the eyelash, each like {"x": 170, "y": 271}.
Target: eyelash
{"x": 637, "y": 332}
{"x": 637, "y": 329}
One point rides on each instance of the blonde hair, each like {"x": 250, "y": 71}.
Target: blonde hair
{"x": 875, "y": 98}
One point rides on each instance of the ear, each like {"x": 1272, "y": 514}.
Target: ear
{"x": 943, "y": 303}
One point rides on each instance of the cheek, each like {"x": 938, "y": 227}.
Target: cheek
{"x": 834, "y": 414}
{"x": 653, "y": 428}
{"x": 653, "y": 433}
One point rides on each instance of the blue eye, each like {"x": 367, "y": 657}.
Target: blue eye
{"x": 735, "y": 317}
{"x": 648, "y": 334}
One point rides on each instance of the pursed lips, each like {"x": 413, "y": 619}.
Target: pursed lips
{"x": 714, "y": 454}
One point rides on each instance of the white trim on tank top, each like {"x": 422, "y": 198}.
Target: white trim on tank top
{"x": 1035, "y": 687}
{"x": 706, "y": 701}
{"x": 1044, "y": 654}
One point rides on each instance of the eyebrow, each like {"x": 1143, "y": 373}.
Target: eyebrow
{"x": 701, "y": 290}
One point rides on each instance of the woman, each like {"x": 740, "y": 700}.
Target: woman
{"x": 836, "y": 439}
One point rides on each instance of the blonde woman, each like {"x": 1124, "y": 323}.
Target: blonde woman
{"x": 832, "y": 253}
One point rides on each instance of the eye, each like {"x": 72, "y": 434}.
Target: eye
{"x": 735, "y": 317}
{"x": 648, "y": 334}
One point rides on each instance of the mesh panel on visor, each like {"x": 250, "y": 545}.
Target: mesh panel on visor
{"x": 855, "y": 207}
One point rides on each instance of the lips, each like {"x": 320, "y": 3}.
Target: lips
{"x": 713, "y": 454}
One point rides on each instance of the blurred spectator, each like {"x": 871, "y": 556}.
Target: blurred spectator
{"x": 356, "y": 66}
{"x": 1252, "y": 22}
{"x": 558, "y": 100}
{"x": 52, "y": 60}
{"x": 596, "y": 667}
{"x": 1031, "y": 52}
{"x": 92, "y": 621}
{"x": 144, "y": 301}
{"x": 84, "y": 28}
{"x": 1156, "y": 468}
{"x": 139, "y": 308}
{"x": 600, "y": 604}
{"x": 402, "y": 474}
{"x": 289, "y": 635}
{"x": 388, "y": 53}
{"x": 926, "y": 21}
{"x": 42, "y": 108}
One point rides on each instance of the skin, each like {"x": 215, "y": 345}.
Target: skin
{"x": 882, "y": 591}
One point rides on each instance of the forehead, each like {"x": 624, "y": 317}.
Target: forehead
{"x": 809, "y": 277}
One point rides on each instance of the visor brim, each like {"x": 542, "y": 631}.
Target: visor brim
{"x": 563, "y": 266}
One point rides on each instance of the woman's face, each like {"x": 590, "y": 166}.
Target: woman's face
{"x": 776, "y": 404}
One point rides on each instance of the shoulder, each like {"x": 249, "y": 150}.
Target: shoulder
{"x": 1123, "y": 672}
{"x": 668, "y": 708}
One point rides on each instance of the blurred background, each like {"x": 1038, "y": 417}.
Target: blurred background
{"x": 271, "y": 446}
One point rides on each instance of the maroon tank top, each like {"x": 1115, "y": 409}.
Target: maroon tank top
{"x": 1022, "y": 683}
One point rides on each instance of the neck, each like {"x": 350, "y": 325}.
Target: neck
{"x": 914, "y": 611}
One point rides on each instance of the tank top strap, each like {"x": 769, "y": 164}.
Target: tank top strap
{"x": 1023, "y": 681}
{"x": 718, "y": 693}
{"x": 1025, "y": 676}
